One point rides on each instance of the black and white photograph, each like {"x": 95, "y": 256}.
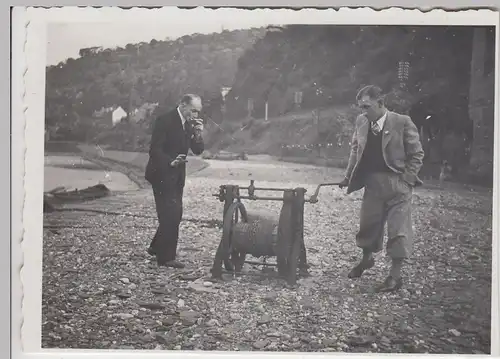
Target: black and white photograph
{"x": 231, "y": 180}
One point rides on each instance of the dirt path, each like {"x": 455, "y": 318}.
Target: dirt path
{"x": 101, "y": 289}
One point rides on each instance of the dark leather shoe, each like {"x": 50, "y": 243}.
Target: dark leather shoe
{"x": 357, "y": 271}
{"x": 151, "y": 251}
{"x": 389, "y": 285}
{"x": 172, "y": 264}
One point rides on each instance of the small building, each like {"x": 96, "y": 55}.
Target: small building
{"x": 224, "y": 91}
{"x": 118, "y": 115}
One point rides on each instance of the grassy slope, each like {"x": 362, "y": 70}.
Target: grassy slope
{"x": 300, "y": 128}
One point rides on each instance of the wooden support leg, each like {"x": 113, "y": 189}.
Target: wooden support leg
{"x": 285, "y": 232}
{"x": 298, "y": 235}
{"x": 221, "y": 256}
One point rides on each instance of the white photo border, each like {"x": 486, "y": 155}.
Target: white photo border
{"x": 28, "y": 101}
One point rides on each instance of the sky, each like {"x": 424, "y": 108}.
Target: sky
{"x": 71, "y": 29}
{"x": 65, "y": 39}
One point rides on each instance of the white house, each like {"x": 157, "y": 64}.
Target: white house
{"x": 224, "y": 91}
{"x": 118, "y": 115}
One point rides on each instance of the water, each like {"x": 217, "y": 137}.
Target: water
{"x": 73, "y": 172}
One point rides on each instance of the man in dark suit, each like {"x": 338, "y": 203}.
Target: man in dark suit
{"x": 386, "y": 156}
{"x": 174, "y": 133}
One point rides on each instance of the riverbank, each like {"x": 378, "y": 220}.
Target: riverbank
{"x": 73, "y": 172}
{"x": 114, "y": 297}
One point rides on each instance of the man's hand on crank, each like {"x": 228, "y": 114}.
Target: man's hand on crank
{"x": 344, "y": 183}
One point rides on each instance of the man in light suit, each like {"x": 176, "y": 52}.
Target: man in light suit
{"x": 174, "y": 133}
{"x": 386, "y": 156}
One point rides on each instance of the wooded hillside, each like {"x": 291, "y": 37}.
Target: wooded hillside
{"x": 329, "y": 64}
{"x": 425, "y": 71}
{"x": 155, "y": 72}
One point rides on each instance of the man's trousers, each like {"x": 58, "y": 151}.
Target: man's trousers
{"x": 168, "y": 199}
{"x": 387, "y": 198}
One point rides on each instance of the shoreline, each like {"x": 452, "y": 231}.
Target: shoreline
{"x": 132, "y": 164}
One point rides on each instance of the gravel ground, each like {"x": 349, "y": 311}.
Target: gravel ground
{"x": 101, "y": 290}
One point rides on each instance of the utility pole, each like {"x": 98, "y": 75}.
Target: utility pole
{"x": 319, "y": 92}
{"x": 224, "y": 91}
{"x": 223, "y": 109}
{"x": 403, "y": 73}
{"x": 250, "y": 107}
{"x": 298, "y": 99}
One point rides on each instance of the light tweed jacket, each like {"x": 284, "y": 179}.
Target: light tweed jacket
{"x": 401, "y": 148}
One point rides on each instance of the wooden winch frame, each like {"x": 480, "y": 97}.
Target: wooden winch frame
{"x": 291, "y": 250}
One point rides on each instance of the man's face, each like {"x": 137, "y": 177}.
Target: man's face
{"x": 372, "y": 109}
{"x": 192, "y": 110}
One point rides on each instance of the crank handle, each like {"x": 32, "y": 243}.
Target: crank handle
{"x": 314, "y": 197}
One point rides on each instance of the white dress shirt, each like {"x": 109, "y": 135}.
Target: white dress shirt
{"x": 380, "y": 122}
{"x": 183, "y": 120}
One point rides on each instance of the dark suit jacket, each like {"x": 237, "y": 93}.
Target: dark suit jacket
{"x": 401, "y": 149}
{"x": 168, "y": 140}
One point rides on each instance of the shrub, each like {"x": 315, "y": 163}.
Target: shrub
{"x": 258, "y": 128}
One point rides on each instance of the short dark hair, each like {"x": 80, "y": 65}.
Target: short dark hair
{"x": 372, "y": 91}
{"x": 188, "y": 98}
